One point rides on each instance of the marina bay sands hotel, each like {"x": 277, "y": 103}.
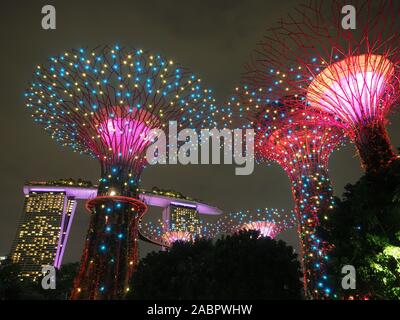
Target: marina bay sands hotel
{"x": 49, "y": 208}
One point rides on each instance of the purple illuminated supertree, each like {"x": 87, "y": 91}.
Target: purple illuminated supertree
{"x": 269, "y": 222}
{"x": 301, "y": 143}
{"x": 351, "y": 74}
{"x": 103, "y": 103}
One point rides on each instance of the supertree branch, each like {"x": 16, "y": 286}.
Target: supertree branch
{"x": 104, "y": 103}
{"x": 351, "y": 75}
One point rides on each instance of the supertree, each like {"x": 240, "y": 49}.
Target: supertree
{"x": 301, "y": 143}
{"x": 351, "y": 74}
{"x": 269, "y": 222}
{"x": 161, "y": 233}
{"x": 103, "y": 103}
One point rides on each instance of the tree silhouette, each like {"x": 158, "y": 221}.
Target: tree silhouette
{"x": 365, "y": 231}
{"x": 239, "y": 266}
{"x": 64, "y": 282}
{"x": 12, "y": 288}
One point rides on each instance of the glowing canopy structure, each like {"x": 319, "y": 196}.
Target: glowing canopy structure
{"x": 352, "y": 75}
{"x": 269, "y": 222}
{"x": 352, "y": 88}
{"x": 301, "y": 142}
{"x": 266, "y": 229}
{"x": 161, "y": 234}
{"x": 182, "y": 219}
{"x": 172, "y": 236}
{"x": 103, "y": 103}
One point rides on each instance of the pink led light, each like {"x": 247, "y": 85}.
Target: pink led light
{"x": 124, "y": 137}
{"x": 266, "y": 229}
{"x": 353, "y": 88}
{"x": 171, "y": 236}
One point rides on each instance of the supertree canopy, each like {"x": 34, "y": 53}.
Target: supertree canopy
{"x": 269, "y": 222}
{"x": 103, "y": 103}
{"x": 161, "y": 233}
{"x": 351, "y": 74}
{"x": 301, "y": 143}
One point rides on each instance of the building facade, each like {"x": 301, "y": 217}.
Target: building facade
{"x": 182, "y": 217}
{"x": 46, "y": 220}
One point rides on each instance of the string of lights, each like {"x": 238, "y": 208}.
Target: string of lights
{"x": 103, "y": 103}
{"x": 269, "y": 222}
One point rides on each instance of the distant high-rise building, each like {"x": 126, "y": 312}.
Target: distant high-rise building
{"x": 183, "y": 217}
{"x": 45, "y": 223}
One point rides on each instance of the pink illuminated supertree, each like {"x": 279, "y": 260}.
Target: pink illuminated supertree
{"x": 104, "y": 102}
{"x": 172, "y": 236}
{"x": 353, "y": 75}
{"x": 301, "y": 143}
{"x": 269, "y": 222}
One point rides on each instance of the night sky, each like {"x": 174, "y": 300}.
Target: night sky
{"x": 214, "y": 38}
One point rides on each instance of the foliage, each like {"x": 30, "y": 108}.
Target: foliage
{"x": 64, "y": 282}
{"x": 364, "y": 228}
{"x": 13, "y": 288}
{"x": 240, "y": 266}
{"x": 9, "y": 283}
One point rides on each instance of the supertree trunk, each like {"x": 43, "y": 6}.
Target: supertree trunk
{"x": 313, "y": 196}
{"x": 373, "y": 145}
{"x": 111, "y": 249}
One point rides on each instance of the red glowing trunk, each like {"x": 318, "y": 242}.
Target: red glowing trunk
{"x": 111, "y": 250}
{"x": 313, "y": 196}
